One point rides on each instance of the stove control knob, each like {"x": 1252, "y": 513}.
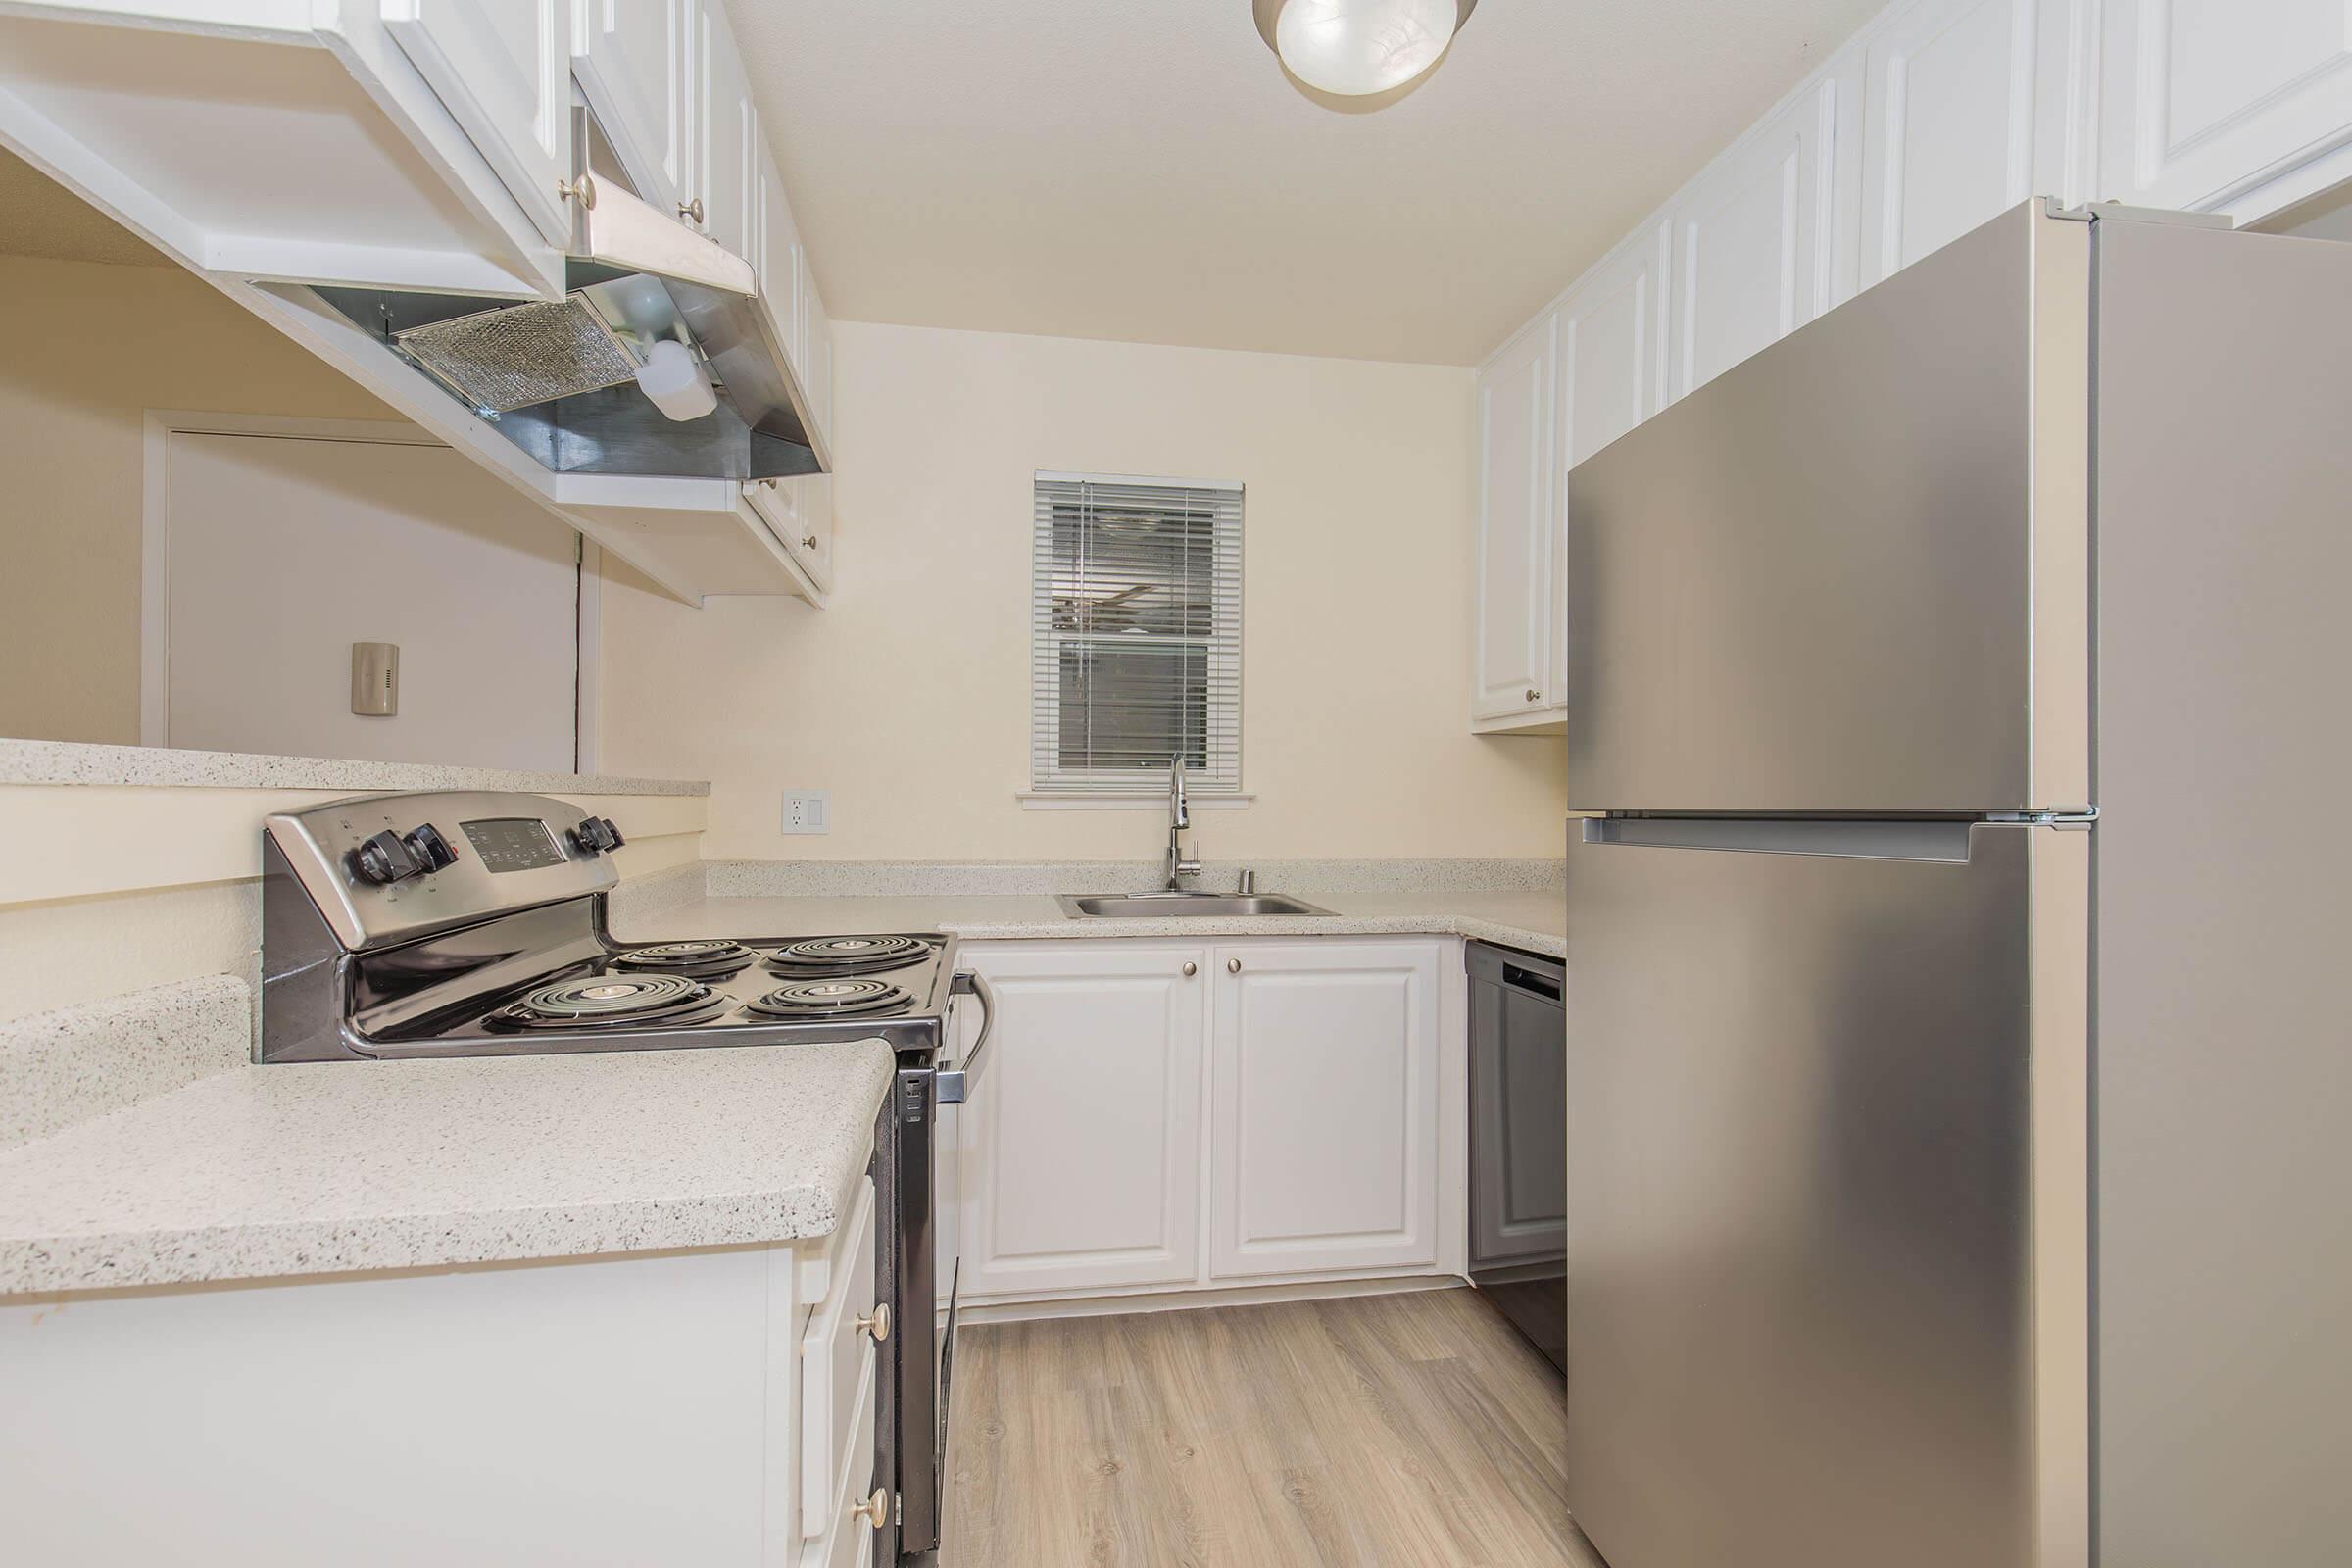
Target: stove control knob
{"x": 432, "y": 850}
{"x": 385, "y": 859}
{"x": 596, "y": 834}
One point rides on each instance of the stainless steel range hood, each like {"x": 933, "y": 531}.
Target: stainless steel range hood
{"x": 557, "y": 377}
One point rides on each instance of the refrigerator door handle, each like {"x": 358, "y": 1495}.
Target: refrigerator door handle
{"x": 1945, "y": 839}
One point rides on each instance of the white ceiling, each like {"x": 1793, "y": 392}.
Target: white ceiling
{"x": 1142, "y": 170}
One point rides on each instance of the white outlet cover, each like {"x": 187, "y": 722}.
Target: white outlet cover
{"x": 807, "y": 812}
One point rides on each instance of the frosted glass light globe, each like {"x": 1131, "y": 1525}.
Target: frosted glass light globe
{"x": 1356, "y": 47}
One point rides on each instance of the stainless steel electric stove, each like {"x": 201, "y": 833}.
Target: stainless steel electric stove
{"x": 473, "y": 924}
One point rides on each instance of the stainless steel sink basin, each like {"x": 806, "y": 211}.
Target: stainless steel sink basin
{"x": 1159, "y": 906}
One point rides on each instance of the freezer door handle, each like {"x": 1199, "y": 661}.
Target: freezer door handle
{"x": 1899, "y": 840}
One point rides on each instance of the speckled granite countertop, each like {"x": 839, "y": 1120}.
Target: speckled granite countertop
{"x": 72, "y": 763}
{"x": 1533, "y": 921}
{"x": 334, "y": 1167}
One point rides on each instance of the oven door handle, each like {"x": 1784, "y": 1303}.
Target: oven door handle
{"x": 956, "y": 1083}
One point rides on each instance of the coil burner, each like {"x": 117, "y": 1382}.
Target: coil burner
{"x": 839, "y": 956}
{"x": 706, "y": 959}
{"x": 608, "y": 1002}
{"x": 843, "y": 997}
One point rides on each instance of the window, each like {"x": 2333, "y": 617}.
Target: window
{"x": 1136, "y": 641}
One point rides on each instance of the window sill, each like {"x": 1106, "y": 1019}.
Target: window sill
{"x": 1137, "y": 801}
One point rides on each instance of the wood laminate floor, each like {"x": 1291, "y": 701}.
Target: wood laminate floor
{"x": 1373, "y": 1431}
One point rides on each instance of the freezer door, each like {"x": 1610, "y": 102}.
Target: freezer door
{"x": 1799, "y": 1333}
{"x": 1849, "y": 574}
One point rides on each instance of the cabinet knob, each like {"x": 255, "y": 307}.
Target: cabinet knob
{"x": 1191, "y": 970}
{"x": 581, "y": 190}
{"x": 877, "y": 1327}
{"x": 1233, "y": 966}
{"x": 808, "y": 542}
{"x": 694, "y": 209}
{"x": 1534, "y": 696}
{"x": 875, "y": 1510}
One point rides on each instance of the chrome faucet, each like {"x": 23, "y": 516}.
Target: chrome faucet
{"x": 1180, "y": 817}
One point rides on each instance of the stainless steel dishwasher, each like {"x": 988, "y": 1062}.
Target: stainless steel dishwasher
{"x": 1518, "y": 1141}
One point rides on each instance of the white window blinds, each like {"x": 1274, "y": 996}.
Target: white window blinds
{"x": 1136, "y": 639}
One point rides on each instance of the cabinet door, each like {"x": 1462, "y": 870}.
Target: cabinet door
{"x": 776, "y": 252}
{"x": 799, "y": 512}
{"x": 1612, "y": 376}
{"x": 1514, "y": 527}
{"x": 633, "y": 63}
{"x": 1082, "y": 1138}
{"x": 727, "y": 134}
{"x": 815, "y": 540}
{"x": 1612, "y": 350}
{"x": 2235, "y": 106}
{"x": 1324, "y": 1107}
{"x": 816, "y": 363}
{"x": 505, "y": 72}
{"x": 1752, "y": 243}
{"x": 1948, "y": 126}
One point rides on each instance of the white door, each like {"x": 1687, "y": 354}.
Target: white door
{"x": 727, "y": 134}
{"x": 1515, "y": 600}
{"x": 2206, "y": 104}
{"x": 1613, "y": 349}
{"x": 1948, "y": 126}
{"x": 275, "y": 555}
{"x": 778, "y": 256}
{"x": 815, "y": 366}
{"x": 1082, "y": 1138}
{"x": 504, "y": 70}
{"x": 1612, "y": 376}
{"x": 1752, "y": 244}
{"x": 634, "y": 64}
{"x": 1324, "y": 1150}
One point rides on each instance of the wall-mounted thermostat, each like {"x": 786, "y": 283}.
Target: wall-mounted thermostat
{"x": 375, "y": 679}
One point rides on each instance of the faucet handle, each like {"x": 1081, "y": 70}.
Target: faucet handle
{"x": 1248, "y": 883}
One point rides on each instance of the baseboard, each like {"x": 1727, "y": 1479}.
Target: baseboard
{"x": 1200, "y": 1300}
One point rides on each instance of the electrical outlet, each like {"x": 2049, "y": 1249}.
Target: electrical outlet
{"x": 807, "y": 812}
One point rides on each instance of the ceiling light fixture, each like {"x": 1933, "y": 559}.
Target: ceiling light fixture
{"x": 1361, "y": 48}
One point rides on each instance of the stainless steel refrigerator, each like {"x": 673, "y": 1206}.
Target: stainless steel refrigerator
{"x": 1959, "y": 1044}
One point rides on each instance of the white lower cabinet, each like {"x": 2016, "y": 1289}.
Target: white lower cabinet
{"x": 661, "y": 1408}
{"x": 1291, "y": 1092}
{"x": 1082, "y": 1138}
{"x": 1323, "y": 1141}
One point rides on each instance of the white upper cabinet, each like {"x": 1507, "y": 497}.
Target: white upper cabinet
{"x": 304, "y": 143}
{"x": 1612, "y": 376}
{"x": 2234, "y": 106}
{"x": 1613, "y": 348}
{"x": 1947, "y": 127}
{"x": 631, "y": 58}
{"x": 778, "y": 256}
{"x": 1752, "y": 243}
{"x": 1515, "y": 600}
{"x": 504, "y": 70}
{"x": 816, "y": 361}
{"x": 799, "y": 512}
{"x": 725, "y": 165}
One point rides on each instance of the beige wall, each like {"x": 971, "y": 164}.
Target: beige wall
{"x": 104, "y": 889}
{"x": 88, "y": 349}
{"x": 909, "y": 697}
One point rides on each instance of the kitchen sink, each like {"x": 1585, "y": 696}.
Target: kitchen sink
{"x": 1159, "y": 906}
